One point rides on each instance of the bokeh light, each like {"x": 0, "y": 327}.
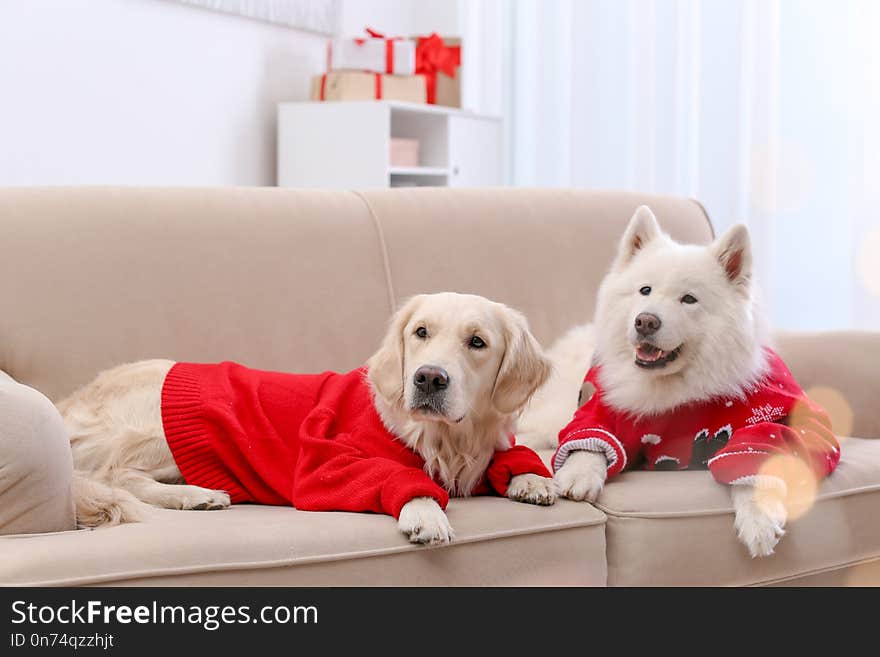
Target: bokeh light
{"x": 839, "y": 410}
{"x": 799, "y": 480}
{"x": 868, "y": 262}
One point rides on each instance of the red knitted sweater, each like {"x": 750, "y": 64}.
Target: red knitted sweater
{"x": 732, "y": 437}
{"x": 312, "y": 440}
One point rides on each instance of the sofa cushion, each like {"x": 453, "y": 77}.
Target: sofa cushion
{"x": 35, "y": 463}
{"x": 498, "y": 542}
{"x": 543, "y": 251}
{"x": 278, "y": 279}
{"x": 676, "y": 528}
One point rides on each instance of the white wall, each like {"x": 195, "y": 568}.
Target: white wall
{"x": 401, "y": 17}
{"x": 143, "y": 92}
{"x": 154, "y": 92}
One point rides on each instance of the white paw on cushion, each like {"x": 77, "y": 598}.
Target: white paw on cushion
{"x": 532, "y": 489}
{"x": 760, "y": 518}
{"x": 582, "y": 476}
{"x": 423, "y": 521}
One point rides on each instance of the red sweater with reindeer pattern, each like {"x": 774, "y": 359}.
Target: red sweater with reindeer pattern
{"x": 733, "y": 438}
{"x": 314, "y": 441}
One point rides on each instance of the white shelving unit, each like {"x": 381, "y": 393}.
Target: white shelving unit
{"x": 346, "y": 145}
{"x": 418, "y": 171}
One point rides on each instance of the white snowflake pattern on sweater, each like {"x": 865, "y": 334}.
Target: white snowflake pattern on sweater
{"x": 765, "y": 413}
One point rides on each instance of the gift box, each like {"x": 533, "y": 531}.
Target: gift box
{"x": 360, "y": 85}
{"x": 404, "y": 152}
{"x": 435, "y": 59}
{"x": 376, "y": 54}
{"x": 438, "y": 59}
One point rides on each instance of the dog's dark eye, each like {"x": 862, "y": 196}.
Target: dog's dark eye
{"x": 476, "y": 342}
{"x": 422, "y": 332}
{"x": 645, "y": 291}
{"x": 689, "y": 298}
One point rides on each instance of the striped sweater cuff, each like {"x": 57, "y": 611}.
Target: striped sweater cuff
{"x": 732, "y": 464}
{"x": 762, "y": 482}
{"x": 592, "y": 439}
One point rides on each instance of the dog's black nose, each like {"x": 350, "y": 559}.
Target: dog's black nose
{"x": 430, "y": 379}
{"x": 647, "y": 324}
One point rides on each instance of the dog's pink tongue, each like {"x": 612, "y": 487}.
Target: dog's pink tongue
{"x": 648, "y": 352}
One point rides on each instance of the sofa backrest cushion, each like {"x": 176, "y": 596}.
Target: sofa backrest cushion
{"x": 276, "y": 279}
{"x": 543, "y": 251}
{"x": 295, "y": 280}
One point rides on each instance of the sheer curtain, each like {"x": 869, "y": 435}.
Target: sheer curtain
{"x": 764, "y": 110}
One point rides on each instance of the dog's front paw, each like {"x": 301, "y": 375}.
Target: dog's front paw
{"x": 423, "y": 521}
{"x": 204, "y": 499}
{"x": 760, "y": 519}
{"x": 582, "y": 476}
{"x": 532, "y": 489}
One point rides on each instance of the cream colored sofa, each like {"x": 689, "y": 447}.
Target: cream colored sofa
{"x": 305, "y": 281}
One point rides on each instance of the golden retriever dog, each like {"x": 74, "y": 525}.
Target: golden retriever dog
{"x": 432, "y": 414}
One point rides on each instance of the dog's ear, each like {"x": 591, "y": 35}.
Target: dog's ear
{"x": 524, "y": 367}
{"x": 642, "y": 228}
{"x": 734, "y": 252}
{"x": 385, "y": 367}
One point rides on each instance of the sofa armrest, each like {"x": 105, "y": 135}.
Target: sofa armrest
{"x": 847, "y": 362}
{"x": 36, "y": 467}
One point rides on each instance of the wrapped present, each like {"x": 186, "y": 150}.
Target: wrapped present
{"x": 438, "y": 59}
{"x": 377, "y": 54}
{"x": 360, "y": 85}
{"x": 404, "y": 152}
{"x": 434, "y": 59}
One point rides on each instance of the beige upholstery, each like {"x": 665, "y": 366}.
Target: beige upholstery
{"x": 35, "y": 463}
{"x": 305, "y": 281}
{"x": 542, "y": 251}
{"x": 844, "y": 361}
{"x": 270, "y": 277}
{"x": 498, "y": 542}
{"x": 279, "y": 278}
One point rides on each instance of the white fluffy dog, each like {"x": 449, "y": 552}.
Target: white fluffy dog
{"x": 711, "y": 350}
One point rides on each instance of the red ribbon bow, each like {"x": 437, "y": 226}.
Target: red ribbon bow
{"x": 433, "y": 56}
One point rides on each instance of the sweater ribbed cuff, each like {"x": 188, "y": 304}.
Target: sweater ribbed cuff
{"x": 188, "y": 435}
{"x": 591, "y": 440}
{"x": 732, "y": 464}
{"x": 407, "y": 484}
{"x": 762, "y": 482}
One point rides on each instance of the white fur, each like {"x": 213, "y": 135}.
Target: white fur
{"x": 555, "y": 402}
{"x": 760, "y": 517}
{"x": 123, "y": 460}
{"x": 721, "y": 335}
{"x": 582, "y": 477}
{"x": 532, "y": 489}
{"x": 423, "y": 521}
{"x": 721, "y": 339}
